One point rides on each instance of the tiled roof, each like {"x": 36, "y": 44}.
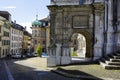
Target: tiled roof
{"x": 4, "y": 12}
{"x": 47, "y": 19}
{"x": 17, "y": 26}
{"x": 27, "y": 33}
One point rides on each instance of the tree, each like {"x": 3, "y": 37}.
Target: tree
{"x": 39, "y": 50}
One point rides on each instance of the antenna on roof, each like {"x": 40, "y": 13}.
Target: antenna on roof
{"x": 36, "y": 14}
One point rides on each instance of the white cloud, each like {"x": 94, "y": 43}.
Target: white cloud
{"x": 9, "y": 7}
{"x": 28, "y": 25}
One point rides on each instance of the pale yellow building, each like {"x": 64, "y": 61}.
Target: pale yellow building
{"x": 26, "y": 42}
{"x": 4, "y": 37}
{"x": 41, "y": 33}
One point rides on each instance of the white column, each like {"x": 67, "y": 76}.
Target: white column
{"x": 98, "y": 46}
{"x": 98, "y": 38}
{"x": 118, "y": 27}
{"x": 51, "y": 59}
{"x": 58, "y": 54}
{"x": 65, "y": 58}
{"x": 110, "y": 36}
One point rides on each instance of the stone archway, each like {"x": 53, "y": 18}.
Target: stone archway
{"x": 78, "y": 48}
{"x": 88, "y": 39}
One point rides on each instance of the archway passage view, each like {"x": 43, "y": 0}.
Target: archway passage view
{"x": 78, "y": 47}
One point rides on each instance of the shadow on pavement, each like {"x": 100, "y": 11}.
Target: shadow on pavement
{"x": 27, "y": 72}
{"x": 3, "y": 73}
{"x": 76, "y": 74}
{"x": 21, "y": 72}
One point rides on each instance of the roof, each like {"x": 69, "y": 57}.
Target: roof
{"x": 17, "y": 26}
{"x": 47, "y": 19}
{"x": 36, "y": 22}
{"x": 5, "y": 14}
{"x": 27, "y": 33}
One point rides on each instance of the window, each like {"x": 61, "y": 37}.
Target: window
{"x": 0, "y": 50}
{"x": 3, "y": 52}
{"x": 0, "y": 28}
{"x": 43, "y": 34}
{"x": 44, "y": 42}
{"x": 35, "y": 42}
{"x": 2, "y": 42}
{"x": 6, "y": 34}
{"x": 0, "y": 38}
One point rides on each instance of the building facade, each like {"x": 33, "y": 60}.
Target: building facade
{"x": 94, "y": 19}
{"x": 16, "y": 38}
{"x": 27, "y": 42}
{"x": 40, "y": 33}
{"x": 4, "y": 37}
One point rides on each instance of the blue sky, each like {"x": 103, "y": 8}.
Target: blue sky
{"x": 24, "y": 11}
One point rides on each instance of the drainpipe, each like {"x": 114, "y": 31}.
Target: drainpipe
{"x": 105, "y": 26}
{"x": 93, "y": 11}
{"x": 61, "y": 54}
{"x": 115, "y": 14}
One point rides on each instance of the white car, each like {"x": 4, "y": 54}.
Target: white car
{"x": 17, "y": 55}
{"x": 34, "y": 54}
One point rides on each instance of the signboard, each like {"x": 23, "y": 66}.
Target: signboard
{"x": 80, "y": 21}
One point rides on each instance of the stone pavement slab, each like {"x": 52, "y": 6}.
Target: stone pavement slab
{"x": 88, "y": 71}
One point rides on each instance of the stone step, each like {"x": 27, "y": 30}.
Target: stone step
{"x": 112, "y": 67}
{"x": 117, "y": 54}
{"x": 106, "y": 66}
{"x": 112, "y": 63}
{"x": 107, "y": 57}
{"x": 114, "y": 60}
{"x": 116, "y": 57}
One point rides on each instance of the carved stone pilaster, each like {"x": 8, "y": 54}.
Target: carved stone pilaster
{"x": 110, "y": 31}
{"x": 98, "y": 46}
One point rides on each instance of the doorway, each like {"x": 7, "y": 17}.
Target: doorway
{"x": 78, "y": 48}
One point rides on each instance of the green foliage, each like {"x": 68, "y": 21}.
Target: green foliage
{"x": 74, "y": 54}
{"x": 39, "y": 50}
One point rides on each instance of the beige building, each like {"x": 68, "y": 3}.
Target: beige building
{"x": 26, "y": 42}
{"x": 16, "y": 38}
{"x": 40, "y": 33}
{"x": 4, "y": 37}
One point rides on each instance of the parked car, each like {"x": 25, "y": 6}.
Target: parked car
{"x": 34, "y": 54}
{"x": 17, "y": 55}
{"x": 44, "y": 54}
{"x": 28, "y": 55}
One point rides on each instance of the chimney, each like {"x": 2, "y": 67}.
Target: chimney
{"x": 25, "y": 27}
{"x": 15, "y": 21}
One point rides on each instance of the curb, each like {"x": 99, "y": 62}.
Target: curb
{"x": 10, "y": 77}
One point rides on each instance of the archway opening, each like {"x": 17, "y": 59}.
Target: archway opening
{"x": 78, "y": 46}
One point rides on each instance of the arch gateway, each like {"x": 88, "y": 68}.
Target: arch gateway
{"x": 91, "y": 18}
